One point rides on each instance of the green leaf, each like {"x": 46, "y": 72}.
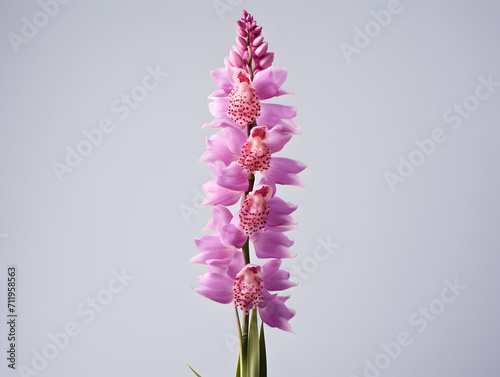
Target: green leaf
{"x": 244, "y": 346}
{"x": 262, "y": 348}
{"x": 243, "y": 355}
{"x": 238, "y": 367}
{"x": 253, "y": 346}
{"x": 193, "y": 371}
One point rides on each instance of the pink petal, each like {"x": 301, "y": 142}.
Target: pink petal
{"x": 235, "y": 265}
{"x": 271, "y": 114}
{"x": 220, "y": 77}
{"x": 222, "y": 122}
{"x": 277, "y": 137}
{"x": 224, "y": 146}
{"x": 230, "y": 234}
{"x": 232, "y": 177}
{"x": 270, "y": 244}
{"x": 284, "y": 171}
{"x": 276, "y": 279}
{"x": 233, "y": 235}
{"x": 218, "y": 106}
{"x": 274, "y": 312}
{"x": 289, "y": 126}
{"x": 268, "y": 82}
{"x": 217, "y": 93}
{"x": 216, "y": 194}
{"x": 279, "y": 218}
{"x": 216, "y": 287}
{"x": 212, "y": 251}
{"x": 280, "y": 207}
{"x": 217, "y": 150}
{"x": 221, "y": 216}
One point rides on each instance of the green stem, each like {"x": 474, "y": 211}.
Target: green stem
{"x": 262, "y": 351}
{"x": 242, "y": 362}
{"x": 245, "y": 325}
{"x": 244, "y": 345}
{"x": 238, "y": 320}
{"x": 250, "y": 58}
{"x": 253, "y": 346}
{"x": 246, "y": 251}
{"x": 244, "y": 356}
{"x": 251, "y": 181}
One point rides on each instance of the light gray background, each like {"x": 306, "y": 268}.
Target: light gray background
{"x": 122, "y": 206}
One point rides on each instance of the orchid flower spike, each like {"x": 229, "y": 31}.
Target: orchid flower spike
{"x": 247, "y": 175}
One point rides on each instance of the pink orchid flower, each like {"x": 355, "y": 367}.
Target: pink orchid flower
{"x": 249, "y": 286}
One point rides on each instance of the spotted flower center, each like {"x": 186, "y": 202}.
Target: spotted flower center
{"x": 255, "y": 155}
{"x": 248, "y": 287}
{"x": 244, "y": 105}
{"x": 255, "y": 210}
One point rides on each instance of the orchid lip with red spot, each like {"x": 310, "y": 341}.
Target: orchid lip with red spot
{"x": 248, "y": 287}
{"x": 255, "y": 210}
{"x": 255, "y": 155}
{"x": 244, "y": 104}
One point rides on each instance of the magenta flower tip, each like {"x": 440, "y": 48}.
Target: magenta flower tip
{"x": 249, "y": 37}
